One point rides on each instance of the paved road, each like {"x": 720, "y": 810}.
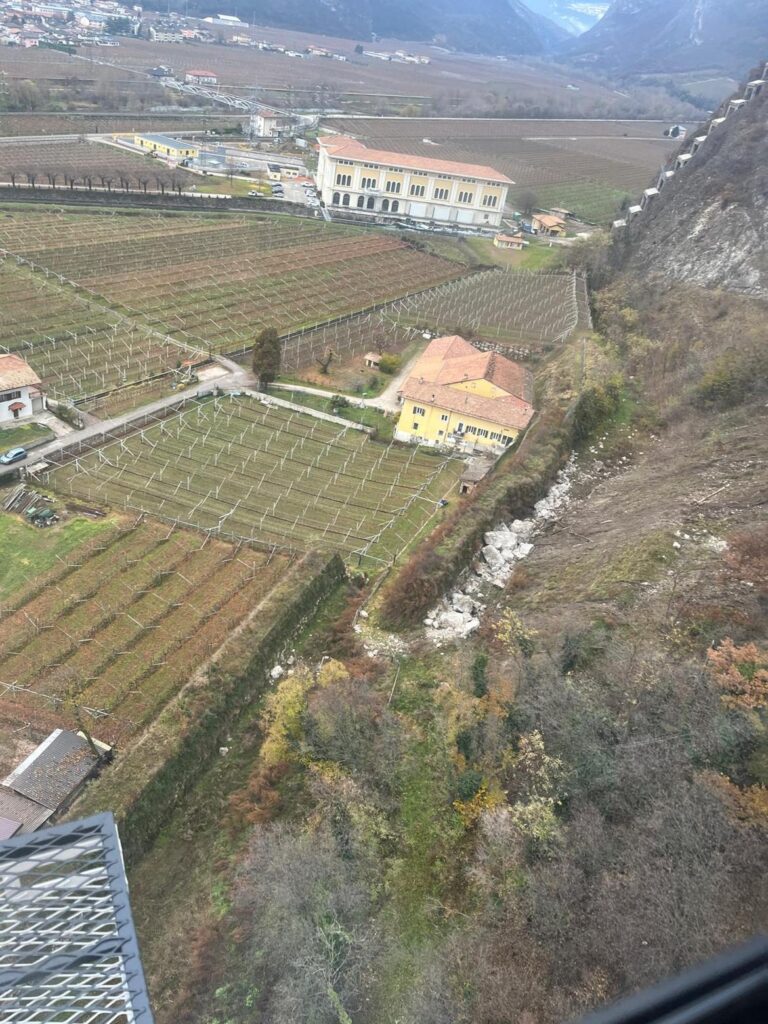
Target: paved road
{"x": 236, "y": 377}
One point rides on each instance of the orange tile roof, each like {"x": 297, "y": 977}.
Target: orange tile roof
{"x": 451, "y": 360}
{"x": 16, "y": 373}
{"x": 548, "y": 220}
{"x": 345, "y": 146}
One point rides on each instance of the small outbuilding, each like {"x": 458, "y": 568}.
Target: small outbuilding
{"x": 372, "y": 360}
{"x": 477, "y": 469}
{"x": 548, "y": 224}
{"x": 505, "y": 241}
{"x": 48, "y": 780}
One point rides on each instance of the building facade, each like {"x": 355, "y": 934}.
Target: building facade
{"x": 196, "y": 76}
{"x": 20, "y": 389}
{"x": 350, "y": 175}
{"x": 460, "y": 397}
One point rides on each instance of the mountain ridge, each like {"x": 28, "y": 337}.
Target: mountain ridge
{"x": 482, "y": 26}
{"x": 656, "y": 36}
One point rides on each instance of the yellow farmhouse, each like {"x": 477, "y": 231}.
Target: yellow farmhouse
{"x": 458, "y": 396}
{"x": 375, "y": 181}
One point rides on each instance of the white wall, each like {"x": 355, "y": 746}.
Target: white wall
{"x": 6, "y": 416}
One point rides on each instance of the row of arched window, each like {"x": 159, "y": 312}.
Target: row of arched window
{"x": 387, "y": 206}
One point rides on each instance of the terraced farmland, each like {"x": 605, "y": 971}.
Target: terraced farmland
{"x": 213, "y": 282}
{"x": 120, "y": 624}
{"x": 78, "y": 346}
{"x": 270, "y": 475}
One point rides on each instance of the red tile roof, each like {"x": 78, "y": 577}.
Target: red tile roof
{"x": 451, "y": 360}
{"x": 15, "y": 372}
{"x": 344, "y": 146}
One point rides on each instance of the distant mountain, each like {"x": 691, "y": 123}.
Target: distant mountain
{"x": 575, "y": 16}
{"x": 676, "y": 35}
{"x": 480, "y": 26}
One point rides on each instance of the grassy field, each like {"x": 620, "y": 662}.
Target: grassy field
{"x": 115, "y": 616}
{"x": 26, "y": 553}
{"x": 536, "y": 256}
{"x": 382, "y": 424}
{"x": 584, "y": 166}
{"x": 11, "y": 437}
{"x": 272, "y": 476}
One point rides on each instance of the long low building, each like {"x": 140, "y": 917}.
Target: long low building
{"x": 376, "y": 181}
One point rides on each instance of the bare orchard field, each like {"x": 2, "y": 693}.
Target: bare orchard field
{"x": 449, "y": 79}
{"x": 524, "y": 314}
{"x": 88, "y": 164}
{"x": 74, "y": 81}
{"x": 95, "y": 123}
{"x": 117, "y": 624}
{"x": 77, "y": 346}
{"x": 211, "y": 282}
{"x": 584, "y": 166}
{"x": 269, "y": 475}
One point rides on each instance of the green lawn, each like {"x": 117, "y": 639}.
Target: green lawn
{"x": 536, "y": 256}
{"x": 593, "y": 201}
{"x": 369, "y": 417}
{"x": 15, "y": 437}
{"x": 26, "y": 551}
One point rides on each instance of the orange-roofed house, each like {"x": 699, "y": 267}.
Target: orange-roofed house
{"x": 548, "y": 224}
{"x": 20, "y": 389}
{"x": 378, "y": 182}
{"x": 458, "y": 396}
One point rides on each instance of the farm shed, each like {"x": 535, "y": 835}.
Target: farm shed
{"x": 503, "y": 241}
{"x": 19, "y": 814}
{"x": 50, "y": 777}
{"x": 20, "y": 393}
{"x": 372, "y": 360}
{"x": 548, "y": 224}
{"x": 176, "y": 149}
{"x": 477, "y": 469}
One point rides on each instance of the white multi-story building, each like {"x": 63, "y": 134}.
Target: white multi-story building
{"x": 374, "y": 181}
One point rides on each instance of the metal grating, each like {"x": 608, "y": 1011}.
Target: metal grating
{"x": 68, "y": 950}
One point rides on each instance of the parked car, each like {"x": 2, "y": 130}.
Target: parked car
{"x": 253, "y": 194}
{"x": 13, "y": 455}
{"x": 311, "y": 201}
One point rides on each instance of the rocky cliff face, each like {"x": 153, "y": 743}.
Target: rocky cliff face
{"x": 709, "y": 226}
{"x": 676, "y": 35}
